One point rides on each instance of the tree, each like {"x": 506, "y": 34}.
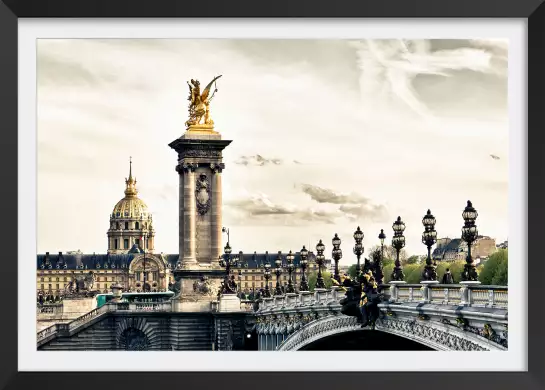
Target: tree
{"x": 492, "y": 265}
{"x": 387, "y": 269}
{"x": 414, "y": 259}
{"x": 500, "y": 277}
{"x": 413, "y": 273}
{"x": 313, "y": 277}
{"x": 352, "y": 271}
{"x": 390, "y": 253}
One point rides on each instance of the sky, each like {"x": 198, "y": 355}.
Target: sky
{"x": 328, "y": 135}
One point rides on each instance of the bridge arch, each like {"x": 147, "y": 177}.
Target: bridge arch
{"x": 434, "y": 335}
{"x": 135, "y": 332}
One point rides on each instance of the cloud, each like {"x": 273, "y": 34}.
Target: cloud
{"x": 353, "y": 206}
{"x": 375, "y": 213}
{"x": 389, "y": 67}
{"x": 259, "y": 209}
{"x": 323, "y": 195}
{"x": 257, "y": 161}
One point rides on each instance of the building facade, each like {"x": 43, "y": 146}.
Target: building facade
{"x": 456, "y": 249}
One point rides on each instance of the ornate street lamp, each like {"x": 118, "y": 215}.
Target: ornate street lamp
{"x": 469, "y": 235}
{"x": 379, "y": 273}
{"x": 267, "y": 275}
{"x": 290, "y": 267}
{"x": 320, "y": 261}
{"x": 278, "y": 271}
{"x": 304, "y": 263}
{"x": 240, "y": 264}
{"x": 337, "y": 254}
{"x": 429, "y": 237}
{"x": 398, "y": 242}
{"x": 228, "y": 262}
{"x": 358, "y": 248}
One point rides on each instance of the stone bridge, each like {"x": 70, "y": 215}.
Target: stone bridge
{"x": 439, "y": 317}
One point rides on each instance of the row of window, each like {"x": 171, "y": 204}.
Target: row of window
{"x": 136, "y": 226}
{"x": 100, "y": 278}
{"x": 261, "y": 277}
{"x": 126, "y": 243}
{"x": 149, "y": 276}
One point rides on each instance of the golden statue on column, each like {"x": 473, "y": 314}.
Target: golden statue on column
{"x": 199, "y": 104}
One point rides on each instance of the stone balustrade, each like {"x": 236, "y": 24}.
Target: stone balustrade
{"x": 246, "y": 305}
{"x": 56, "y": 308}
{"x": 443, "y": 294}
{"x": 150, "y": 306}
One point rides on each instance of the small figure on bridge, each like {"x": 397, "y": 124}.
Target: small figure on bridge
{"x": 447, "y": 278}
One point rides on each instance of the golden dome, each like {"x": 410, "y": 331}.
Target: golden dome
{"x": 131, "y": 206}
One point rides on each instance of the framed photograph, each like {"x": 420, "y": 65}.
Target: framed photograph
{"x": 203, "y": 190}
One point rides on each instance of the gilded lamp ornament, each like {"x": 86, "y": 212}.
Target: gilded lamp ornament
{"x": 199, "y": 103}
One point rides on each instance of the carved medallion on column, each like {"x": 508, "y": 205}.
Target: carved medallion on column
{"x": 202, "y": 194}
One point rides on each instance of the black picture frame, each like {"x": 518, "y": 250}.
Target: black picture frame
{"x": 531, "y": 10}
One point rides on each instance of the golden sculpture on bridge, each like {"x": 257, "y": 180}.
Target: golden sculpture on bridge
{"x": 199, "y": 104}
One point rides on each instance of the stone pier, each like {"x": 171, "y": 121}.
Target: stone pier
{"x": 200, "y": 165}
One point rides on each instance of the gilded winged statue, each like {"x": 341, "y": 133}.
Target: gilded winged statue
{"x": 199, "y": 104}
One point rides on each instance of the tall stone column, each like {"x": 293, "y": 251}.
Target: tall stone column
{"x": 188, "y": 208}
{"x": 216, "y": 225}
{"x": 200, "y": 216}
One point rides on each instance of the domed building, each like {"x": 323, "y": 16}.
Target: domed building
{"x": 130, "y": 222}
{"x": 129, "y": 260}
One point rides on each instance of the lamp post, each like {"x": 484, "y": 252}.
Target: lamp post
{"x": 267, "y": 275}
{"x": 304, "y": 262}
{"x": 278, "y": 271}
{"x": 337, "y": 254}
{"x": 290, "y": 267}
{"x": 144, "y": 237}
{"x": 358, "y": 248}
{"x": 379, "y": 274}
{"x": 429, "y": 237}
{"x": 398, "y": 242}
{"x": 229, "y": 261}
{"x": 469, "y": 235}
{"x": 320, "y": 261}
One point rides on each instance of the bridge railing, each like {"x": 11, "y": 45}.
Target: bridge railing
{"x": 72, "y": 325}
{"x": 409, "y": 292}
{"x": 442, "y": 294}
{"x": 488, "y": 296}
{"x": 445, "y": 294}
{"x": 90, "y": 316}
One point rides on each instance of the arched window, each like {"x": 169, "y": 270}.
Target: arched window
{"x": 41, "y": 279}
{"x": 137, "y": 225}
